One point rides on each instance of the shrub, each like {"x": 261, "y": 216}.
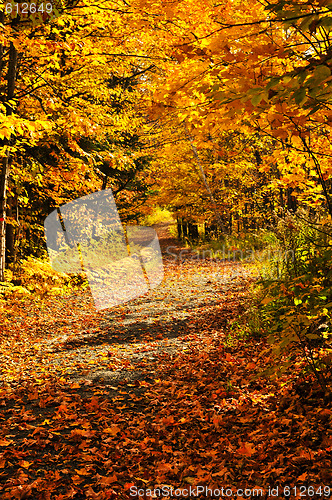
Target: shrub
{"x": 35, "y": 278}
{"x": 296, "y": 308}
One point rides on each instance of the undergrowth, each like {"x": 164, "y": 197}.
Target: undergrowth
{"x": 260, "y": 250}
{"x": 289, "y": 304}
{"x": 292, "y": 310}
{"x": 34, "y": 279}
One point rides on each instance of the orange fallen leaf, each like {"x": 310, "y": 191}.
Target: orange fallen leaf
{"x": 82, "y": 472}
{"x": 113, "y": 430}
{"x": 246, "y": 449}
{"x": 25, "y": 464}
{"x": 303, "y": 477}
{"x": 5, "y": 442}
{"x": 105, "y": 481}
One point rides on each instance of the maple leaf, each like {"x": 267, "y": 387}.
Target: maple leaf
{"x": 106, "y": 481}
{"x": 246, "y": 449}
{"x": 25, "y": 464}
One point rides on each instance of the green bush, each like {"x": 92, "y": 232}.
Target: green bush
{"x": 295, "y": 309}
{"x": 252, "y": 248}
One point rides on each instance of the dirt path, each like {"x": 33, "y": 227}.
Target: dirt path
{"x": 66, "y": 337}
{"x": 127, "y": 338}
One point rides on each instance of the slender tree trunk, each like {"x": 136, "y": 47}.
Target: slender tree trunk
{"x": 105, "y": 179}
{"x": 320, "y": 175}
{"x": 184, "y": 228}
{"x": 10, "y": 233}
{"x": 207, "y": 187}
{"x": 5, "y": 159}
{"x": 17, "y": 236}
{"x": 179, "y": 226}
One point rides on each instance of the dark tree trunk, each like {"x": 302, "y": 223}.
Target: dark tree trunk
{"x": 5, "y": 160}
{"x": 291, "y": 200}
{"x": 179, "y": 227}
{"x": 10, "y": 235}
{"x": 193, "y": 231}
{"x": 184, "y": 228}
{"x": 104, "y": 182}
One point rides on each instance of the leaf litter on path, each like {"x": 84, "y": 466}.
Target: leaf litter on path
{"x": 151, "y": 393}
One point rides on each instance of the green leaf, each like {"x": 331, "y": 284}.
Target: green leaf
{"x": 326, "y": 22}
{"x": 257, "y": 99}
{"x": 321, "y": 72}
{"x": 307, "y": 21}
{"x": 313, "y": 92}
{"x": 273, "y": 82}
{"x": 300, "y": 96}
{"x": 302, "y": 76}
{"x": 297, "y": 301}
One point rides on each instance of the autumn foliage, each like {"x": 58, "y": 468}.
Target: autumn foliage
{"x": 220, "y": 115}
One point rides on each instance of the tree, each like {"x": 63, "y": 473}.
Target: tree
{"x": 73, "y": 83}
{"x": 262, "y": 68}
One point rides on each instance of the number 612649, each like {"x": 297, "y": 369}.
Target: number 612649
{"x": 28, "y": 8}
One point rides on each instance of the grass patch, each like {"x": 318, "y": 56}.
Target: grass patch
{"x": 159, "y": 215}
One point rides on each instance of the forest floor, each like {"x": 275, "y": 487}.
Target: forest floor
{"x": 158, "y": 392}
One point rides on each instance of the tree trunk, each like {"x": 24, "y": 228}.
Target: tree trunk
{"x": 206, "y": 184}
{"x": 291, "y": 200}
{"x": 104, "y": 182}
{"x": 5, "y": 160}
{"x": 179, "y": 227}
{"x": 193, "y": 231}
{"x": 10, "y": 233}
{"x": 184, "y": 228}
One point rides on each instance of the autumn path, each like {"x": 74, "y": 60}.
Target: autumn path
{"x": 196, "y": 297}
{"x": 190, "y": 301}
{"x": 155, "y": 392}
